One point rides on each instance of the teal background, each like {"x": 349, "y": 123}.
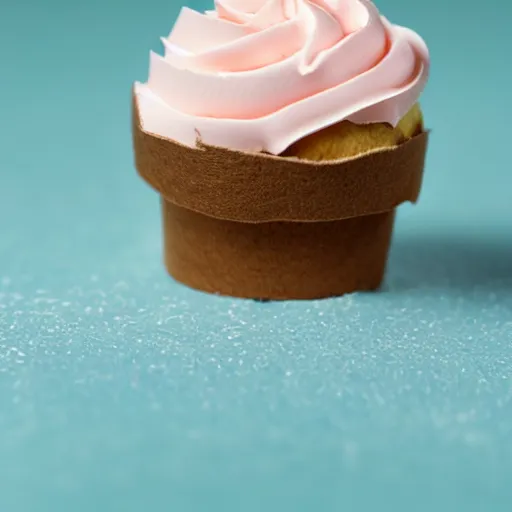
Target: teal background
{"x": 121, "y": 390}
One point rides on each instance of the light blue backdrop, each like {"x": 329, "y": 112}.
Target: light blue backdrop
{"x": 120, "y": 390}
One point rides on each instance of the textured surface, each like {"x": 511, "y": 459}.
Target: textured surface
{"x": 120, "y": 390}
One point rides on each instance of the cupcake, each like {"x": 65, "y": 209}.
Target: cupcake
{"x": 281, "y": 136}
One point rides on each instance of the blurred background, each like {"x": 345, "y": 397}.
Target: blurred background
{"x": 67, "y": 70}
{"x": 121, "y": 390}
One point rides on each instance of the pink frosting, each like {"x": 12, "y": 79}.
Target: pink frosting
{"x": 257, "y": 75}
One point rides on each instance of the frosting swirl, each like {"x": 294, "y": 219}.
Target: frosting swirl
{"x": 258, "y": 75}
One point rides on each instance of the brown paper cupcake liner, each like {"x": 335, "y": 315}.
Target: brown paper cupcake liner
{"x": 276, "y": 260}
{"x": 258, "y": 226}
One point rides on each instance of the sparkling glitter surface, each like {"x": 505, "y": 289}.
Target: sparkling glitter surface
{"x": 121, "y": 390}
{"x": 139, "y": 392}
